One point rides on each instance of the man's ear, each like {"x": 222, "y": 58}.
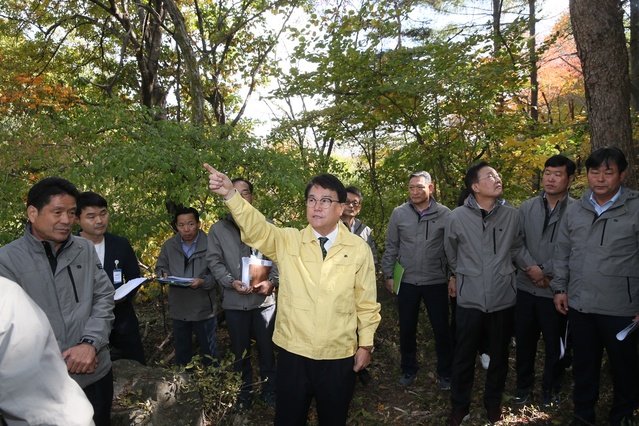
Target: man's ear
{"x": 32, "y": 213}
{"x": 622, "y": 176}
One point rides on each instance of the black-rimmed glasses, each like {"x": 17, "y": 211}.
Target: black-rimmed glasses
{"x": 324, "y": 203}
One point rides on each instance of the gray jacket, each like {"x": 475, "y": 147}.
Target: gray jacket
{"x": 364, "y": 231}
{"x": 224, "y": 256}
{"x": 481, "y": 251}
{"x": 185, "y": 303}
{"x": 77, "y": 298}
{"x": 417, "y": 242}
{"x": 597, "y": 258}
{"x": 540, "y": 243}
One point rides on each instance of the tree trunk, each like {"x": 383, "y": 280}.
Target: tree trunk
{"x": 532, "y": 51}
{"x": 152, "y": 94}
{"x": 634, "y": 54}
{"x": 601, "y": 47}
{"x": 191, "y": 66}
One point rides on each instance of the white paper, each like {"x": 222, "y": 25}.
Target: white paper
{"x": 253, "y": 260}
{"x": 626, "y": 331}
{"x": 124, "y": 289}
{"x": 563, "y": 342}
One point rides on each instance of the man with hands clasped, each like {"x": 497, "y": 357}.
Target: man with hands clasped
{"x": 596, "y": 284}
{"x": 327, "y": 308}
{"x": 535, "y": 312}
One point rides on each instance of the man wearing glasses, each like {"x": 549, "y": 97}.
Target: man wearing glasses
{"x": 352, "y": 207}
{"x": 327, "y": 308}
{"x": 415, "y": 239}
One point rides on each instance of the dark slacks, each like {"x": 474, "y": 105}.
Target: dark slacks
{"x": 591, "y": 334}
{"x": 435, "y": 298}
{"x": 300, "y": 379}
{"x": 206, "y": 333}
{"x": 260, "y": 322}
{"x": 472, "y": 327}
{"x": 535, "y": 315}
{"x": 125, "y": 339}
{"x": 100, "y": 395}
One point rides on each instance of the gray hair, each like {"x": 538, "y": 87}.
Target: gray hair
{"x": 423, "y": 174}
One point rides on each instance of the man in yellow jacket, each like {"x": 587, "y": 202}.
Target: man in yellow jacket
{"x": 327, "y": 308}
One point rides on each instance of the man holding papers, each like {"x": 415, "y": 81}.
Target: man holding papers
{"x": 248, "y": 302}
{"x": 193, "y": 306}
{"x": 596, "y": 283}
{"x": 327, "y": 309}
{"x": 415, "y": 239}
{"x": 121, "y": 265}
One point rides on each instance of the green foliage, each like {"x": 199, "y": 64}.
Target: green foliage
{"x": 217, "y": 385}
{"x": 144, "y": 168}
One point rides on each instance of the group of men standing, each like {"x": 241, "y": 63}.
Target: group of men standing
{"x": 552, "y": 261}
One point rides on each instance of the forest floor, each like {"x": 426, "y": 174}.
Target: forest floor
{"x": 385, "y": 402}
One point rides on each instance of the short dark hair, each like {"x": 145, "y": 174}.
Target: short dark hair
{"x": 472, "y": 175}
{"x": 559, "y": 161}
{"x": 186, "y": 210}
{"x": 241, "y": 179}
{"x": 605, "y": 156}
{"x": 355, "y": 190}
{"x": 89, "y": 199}
{"x": 41, "y": 193}
{"x": 328, "y": 181}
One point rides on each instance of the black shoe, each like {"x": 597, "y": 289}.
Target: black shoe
{"x": 407, "y": 379}
{"x": 456, "y": 418}
{"x": 522, "y": 396}
{"x": 268, "y": 398}
{"x": 550, "y": 401}
{"x": 493, "y": 414}
{"x": 444, "y": 383}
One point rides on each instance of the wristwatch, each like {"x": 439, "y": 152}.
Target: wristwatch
{"x": 560, "y": 291}
{"x": 89, "y": 341}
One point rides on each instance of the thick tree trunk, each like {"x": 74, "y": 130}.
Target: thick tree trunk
{"x": 191, "y": 65}
{"x": 601, "y": 47}
{"x": 152, "y": 94}
{"x": 634, "y": 54}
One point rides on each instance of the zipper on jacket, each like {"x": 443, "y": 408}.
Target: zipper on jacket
{"x": 75, "y": 290}
{"x": 494, "y": 241}
{"x": 628, "y": 287}
{"x": 552, "y": 234}
{"x": 603, "y": 231}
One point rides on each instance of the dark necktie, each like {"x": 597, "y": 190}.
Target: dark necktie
{"x": 322, "y": 241}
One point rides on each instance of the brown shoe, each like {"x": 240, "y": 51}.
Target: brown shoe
{"x": 493, "y": 414}
{"x": 457, "y": 417}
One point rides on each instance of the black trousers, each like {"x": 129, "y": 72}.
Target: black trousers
{"x": 435, "y": 297}
{"x": 472, "y": 328}
{"x": 591, "y": 334}
{"x": 535, "y": 315}
{"x": 260, "y": 322}
{"x": 300, "y": 379}
{"x": 100, "y": 395}
{"x": 125, "y": 339}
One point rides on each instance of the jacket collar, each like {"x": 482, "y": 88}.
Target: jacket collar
{"x": 37, "y": 245}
